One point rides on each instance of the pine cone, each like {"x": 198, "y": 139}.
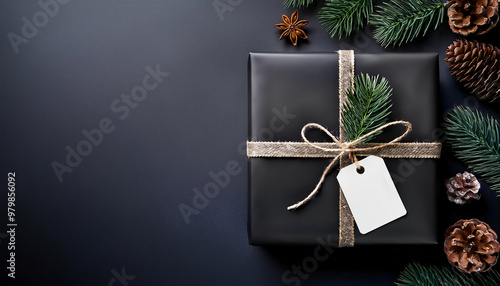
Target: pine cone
{"x": 477, "y": 66}
{"x": 472, "y": 17}
{"x": 463, "y": 188}
{"x": 471, "y": 246}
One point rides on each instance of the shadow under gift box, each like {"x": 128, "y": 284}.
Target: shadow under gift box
{"x": 287, "y": 91}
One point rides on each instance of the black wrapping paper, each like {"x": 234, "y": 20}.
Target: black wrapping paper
{"x": 287, "y": 91}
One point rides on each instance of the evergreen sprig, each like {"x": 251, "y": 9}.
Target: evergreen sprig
{"x": 475, "y": 139}
{"x": 399, "y": 21}
{"x": 417, "y": 274}
{"x": 341, "y": 18}
{"x": 367, "y": 108}
{"x": 297, "y": 3}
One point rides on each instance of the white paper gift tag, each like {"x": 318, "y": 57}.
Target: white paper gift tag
{"x": 371, "y": 195}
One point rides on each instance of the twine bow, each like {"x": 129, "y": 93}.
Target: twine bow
{"x": 343, "y": 148}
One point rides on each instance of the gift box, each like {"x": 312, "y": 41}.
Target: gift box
{"x": 288, "y": 91}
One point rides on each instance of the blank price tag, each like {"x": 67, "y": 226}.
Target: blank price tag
{"x": 371, "y": 194}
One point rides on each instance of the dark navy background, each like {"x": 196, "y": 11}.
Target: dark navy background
{"x": 115, "y": 219}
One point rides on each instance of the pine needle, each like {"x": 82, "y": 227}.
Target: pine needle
{"x": 416, "y": 274}
{"x": 475, "y": 139}
{"x": 297, "y": 3}
{"x": 367, "y": 108}
{"x": 342, "y": 18}
{"x": 400, "y": 21}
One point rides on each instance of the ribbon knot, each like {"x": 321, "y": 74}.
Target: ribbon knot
{"x": 343, "y": 148}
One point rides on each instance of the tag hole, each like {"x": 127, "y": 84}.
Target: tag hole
{"x": 360, "y": 170}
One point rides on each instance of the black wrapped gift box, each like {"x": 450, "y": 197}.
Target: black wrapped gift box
{"x": 287, "y": 91}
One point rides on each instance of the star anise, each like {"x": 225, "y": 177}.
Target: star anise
{"x": 291, "y": 27}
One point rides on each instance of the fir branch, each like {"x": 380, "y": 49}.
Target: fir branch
{"x": 297, "y": 3}
{"x": 367, "y": 108}
{"x": 341, "y": 18}
{"x": 475, "y": 139}
{"x": 400, "y": 21}
{"x": 417, "y": 274}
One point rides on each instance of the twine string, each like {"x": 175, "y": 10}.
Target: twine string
{"x": 343, "y": 148}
